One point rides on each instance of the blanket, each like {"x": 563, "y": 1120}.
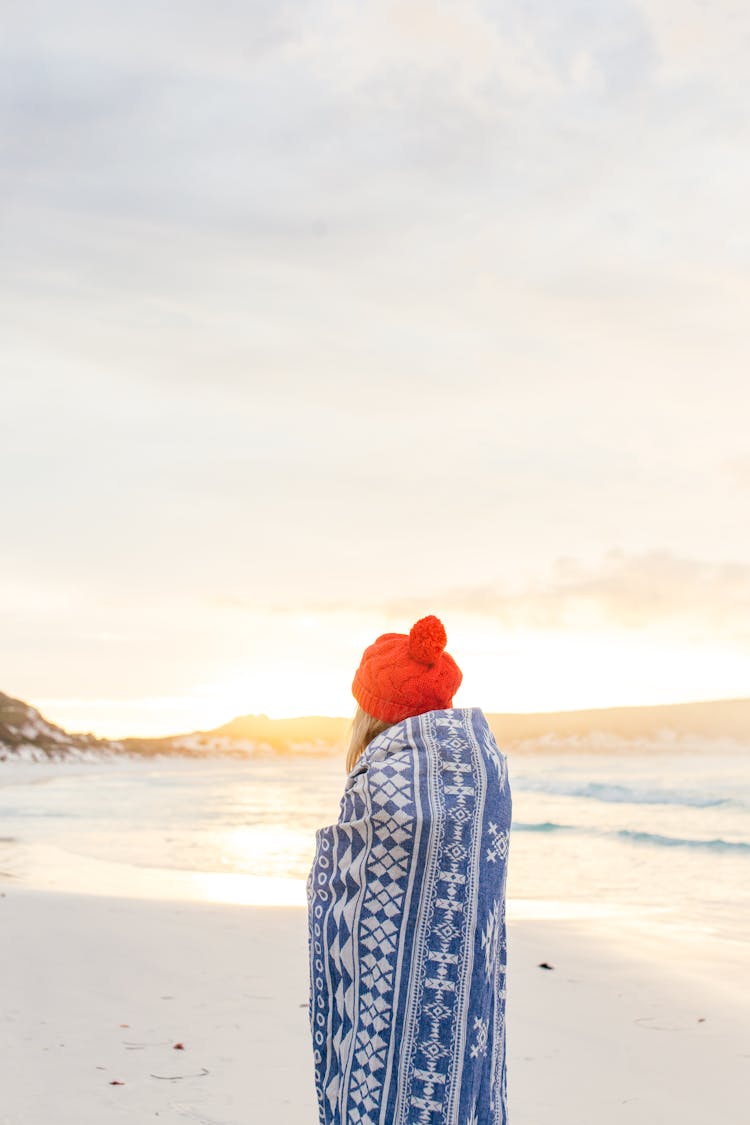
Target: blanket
{"x": 406, "y": 928}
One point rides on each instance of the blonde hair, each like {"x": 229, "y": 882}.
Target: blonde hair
{"x": 364, "y": 729}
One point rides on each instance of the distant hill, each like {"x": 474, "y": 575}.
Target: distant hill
{"x": 26, "y": 734}
{"x": 671, "y": 725}
{"x": 678, "y": 725}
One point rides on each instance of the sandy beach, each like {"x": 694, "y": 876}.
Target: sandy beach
{"x": 98, "y": 992}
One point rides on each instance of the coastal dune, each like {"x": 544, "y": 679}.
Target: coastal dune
{"x": 125, "y": 1010}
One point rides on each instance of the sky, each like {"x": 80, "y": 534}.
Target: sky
{"x": 317, "y": 318}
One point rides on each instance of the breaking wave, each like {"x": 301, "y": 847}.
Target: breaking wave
{"x": 620, "y": 794}
{"x": 543, "y": 826}
{"x": 717, "y": 844}
{"x": 680, "y": 842}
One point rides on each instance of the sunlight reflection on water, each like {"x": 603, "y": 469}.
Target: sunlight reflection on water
{"x": 663, "y": 837}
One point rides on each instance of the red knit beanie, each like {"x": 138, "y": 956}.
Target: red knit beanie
{"x": 402, "y": 674}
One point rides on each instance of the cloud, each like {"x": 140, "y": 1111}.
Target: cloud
{"x": 383, "y": 50}
{"x": 699, "y": 41}
{"x": 657, "y": 589}
{"x": 269, "y": 118}
{"x": 282, "y": 278}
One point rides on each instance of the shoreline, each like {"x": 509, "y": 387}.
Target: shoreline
{"x": 103, "y": 988}
{"x": 707, "y": 962}
{"x": 704, "y": 958}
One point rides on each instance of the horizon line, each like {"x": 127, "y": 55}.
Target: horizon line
{"x": 349, "y": 718}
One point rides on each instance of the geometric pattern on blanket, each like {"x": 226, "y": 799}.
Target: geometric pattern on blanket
{"x": 407, "y": 937}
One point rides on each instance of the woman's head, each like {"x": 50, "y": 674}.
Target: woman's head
{"x": 400, "y": 675}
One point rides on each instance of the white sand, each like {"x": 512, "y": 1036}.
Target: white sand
{"x": 606, "y": 1037}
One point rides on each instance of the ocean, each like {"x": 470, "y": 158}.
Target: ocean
{"x": 662, "y": 837}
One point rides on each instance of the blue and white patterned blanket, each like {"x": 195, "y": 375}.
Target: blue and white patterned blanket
{"x": 407, "y": 939}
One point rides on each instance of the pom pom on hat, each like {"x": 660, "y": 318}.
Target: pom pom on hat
{"x": 427, "y": 639}
{"x": 404, "y": 674}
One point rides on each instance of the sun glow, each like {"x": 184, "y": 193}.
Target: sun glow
{"x": 303, "y": 664}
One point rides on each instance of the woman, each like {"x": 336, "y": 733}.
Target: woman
{"x": 406, "y": 903}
